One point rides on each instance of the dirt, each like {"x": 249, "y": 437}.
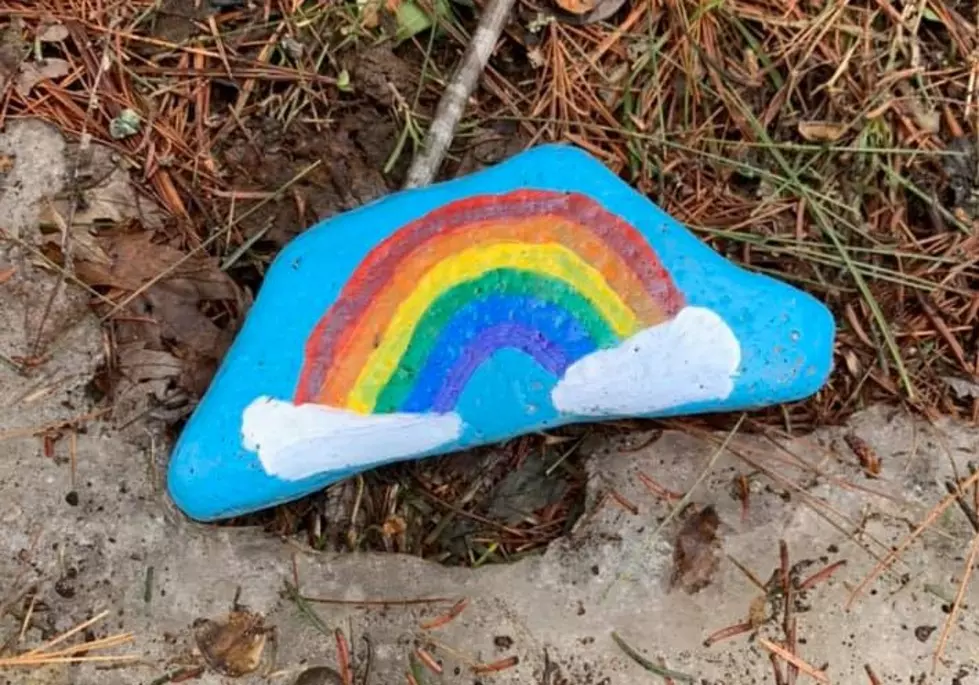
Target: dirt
{"x": 350, "y": 151}
{"x": 176, "y": 20}
{"x": 354, "y": 152}
{"x": 382, "y": 76}
{"x": 346, "y": 174}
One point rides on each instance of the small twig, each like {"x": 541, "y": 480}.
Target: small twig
{"x": 428, "y": 661}
{"x": 306, "y": 610}
{"x": 453, "y": 102}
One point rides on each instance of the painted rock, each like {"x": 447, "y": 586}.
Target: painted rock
{"x": 540, "y": 292}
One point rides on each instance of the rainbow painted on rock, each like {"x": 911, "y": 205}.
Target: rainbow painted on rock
{"x": 554, "y": 275}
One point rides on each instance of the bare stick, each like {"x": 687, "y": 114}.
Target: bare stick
{"x": 456, "y": 95}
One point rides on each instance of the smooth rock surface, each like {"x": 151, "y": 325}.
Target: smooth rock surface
{"x": 540, "y": 292}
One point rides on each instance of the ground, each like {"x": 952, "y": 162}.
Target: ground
{"x": 88, "y": 527}
{"x": 831, "y": 146}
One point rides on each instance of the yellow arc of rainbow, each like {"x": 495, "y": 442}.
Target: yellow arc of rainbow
{"x": 550, "y": 259}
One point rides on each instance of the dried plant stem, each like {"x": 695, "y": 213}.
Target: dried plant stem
{"x": 456, "y": 95}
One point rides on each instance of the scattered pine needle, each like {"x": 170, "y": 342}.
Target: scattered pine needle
{"x": 895, "y": 553}
{"x": 794, "y": 660}
{"x": 957, "y": 604}
{"x": 428, "y": 661}
{"x": 78, "y": 653}
{"x": 343, "y": 657}
{"x": 821, "y": 575}
{"x": 496, "y": 666}
{"x": 444, "y": 619}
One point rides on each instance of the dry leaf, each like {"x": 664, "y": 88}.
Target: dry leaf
{"x": 32, "y": 73}
{"x": 232, "y": 646}
{"x": 963, "y": 389}
{"x": 928, "y": 120}
{"x": 7, "y": 274}
{"x": 924, "y": 114}
{"x": 869, "y": 460}
{"x": 394, "y": 525}
{"x": 169, "y": 314}
{"x": 6, "y": 163}
{"x": 53, "y": 33}
{"x": 370, "y": 12}
{"x": 134, "y": 260}
{"x": 576, "y": 6}
{"x": 821, "y": 131}
{"x": 588, "y": 11}
{"x": 758, "y": 611}
{"x": 695, "y": 556}
{"x": 141, "y": 365}
{"x": 111, "y": 202}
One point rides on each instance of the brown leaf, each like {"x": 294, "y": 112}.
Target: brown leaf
{"x": 695, "y": 558}
{"x": 758, "y": 611}
{"x": 53, "y": 33}
{"x": 111, "y": 202}
{"x": 234, "y": 645}
{"x": 6, "y": 164}
{"x": 172, "y": 313}
{"x": 32, "y": 73}
{"x": 134, "y": 260}
{"x": 576, "y": 6}
{"x": 588, "y": 11}
{"x": 869, "y": 460}
{"x": 394, "y": 525}
{"x": 821, "y": 131}
{"x": 140, "y": 365}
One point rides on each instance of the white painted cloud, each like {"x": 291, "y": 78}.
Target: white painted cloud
{"x": 691, "y": 358}
{"x": 296, "y": 441}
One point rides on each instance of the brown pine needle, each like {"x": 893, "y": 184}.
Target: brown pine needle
{"x": 64, "y": 636}
{"x": 957, "y": 604}
{"x": 496, "y": 666}
{"x": 794, "y": 660}
{"x": 42, "y": 655}
{"x": 447, "y": 617}
{"x": 343, "y": 657}
{"x": 821, "y": 575}
{"x": 894, "y": 554}
{"x": 874, "y": 680}
{"x": 15, "y": 662}
{"x": 428, "y": 661}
